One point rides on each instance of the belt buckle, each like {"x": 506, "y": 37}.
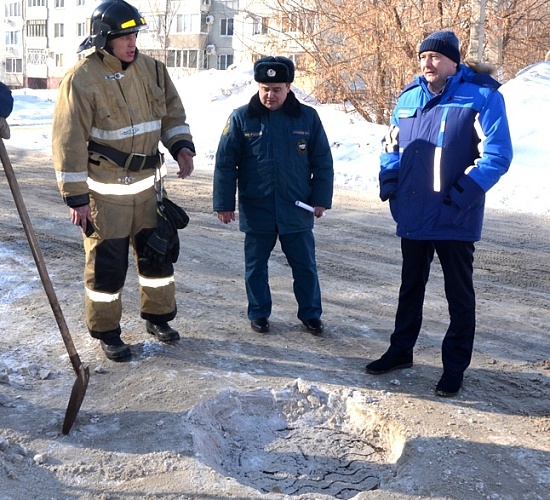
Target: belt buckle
{"x": 130, "y": 159}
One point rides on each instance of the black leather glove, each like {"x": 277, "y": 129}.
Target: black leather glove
{"x": 161, "y": 240}
{"x": 164, "y": 243}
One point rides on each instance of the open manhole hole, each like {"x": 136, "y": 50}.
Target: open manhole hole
{"x": 300, "y": 440}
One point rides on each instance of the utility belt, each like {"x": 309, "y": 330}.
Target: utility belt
{"x": 134, "y": 162}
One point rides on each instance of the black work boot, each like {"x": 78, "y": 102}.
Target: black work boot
{"x": 115, "y": 349}
{"x": 449, "y": 385}
{"x": 314, "y": 325}
{"x": 162, "y": 331}
{"x": 389, "y": 362}
{"x": 260, "y": 325}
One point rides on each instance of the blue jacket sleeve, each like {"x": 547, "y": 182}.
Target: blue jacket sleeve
{"x": 228, "y": 157}
{"x": 320, "y": 158}
{"x": 389, "y": 159}
{"x": 495, "y": 153}
{"x": 6, "y": 101}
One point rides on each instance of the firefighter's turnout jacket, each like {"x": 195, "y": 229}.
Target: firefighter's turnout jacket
{"x": 109, "y": 119}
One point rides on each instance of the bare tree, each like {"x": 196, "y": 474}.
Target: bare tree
{"x": 363, "y": 52}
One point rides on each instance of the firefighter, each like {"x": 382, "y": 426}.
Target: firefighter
{"x": 113, "y": 108}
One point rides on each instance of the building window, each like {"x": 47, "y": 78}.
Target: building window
{"x": 59, "y": 60}
{"x": 224, "y": 61}
{"x": 81, "y": 29}
{"x": 226, "y": 26}
{"x": 13, "y": 37}
{"x": 154, "y": 23}
{"x": 36, "y": 28}
{"x": 14, "y": 65}
{"x": 59, "y": 30}
{"x": 36, "y": 3}
{"x": 13, "y": 9}
{"x": 59, "y": 3}
{"x": 260, "y": 26}
{"x": 298, "y": 60}
{"x": 298, "y": 22}
{"x": 173, "y": 58}
{"x": 182, "y": 58}
{"x": 191, "y": 58}
{"x": 36, "y": 57}
{"x": 80, "y": 2}
{"x": 188, "y": 23}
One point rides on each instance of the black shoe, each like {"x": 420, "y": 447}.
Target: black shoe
{"x": 314, "y": 325}
{"x": 260, "y": 325}
{"x": 163, "y": 331}
{"x": 449, "y": 385}
{"x": 388, "y": 363}
{"x": 116, "y": 350}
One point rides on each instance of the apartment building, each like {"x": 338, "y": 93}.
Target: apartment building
{"x": 39, "y": 38}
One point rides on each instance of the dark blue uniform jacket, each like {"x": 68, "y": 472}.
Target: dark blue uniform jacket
{"x": 274, "y": 158}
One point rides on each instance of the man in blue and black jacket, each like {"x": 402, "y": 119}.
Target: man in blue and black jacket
{"x": 448, "y": 143}
{"x": 276, "y": 151}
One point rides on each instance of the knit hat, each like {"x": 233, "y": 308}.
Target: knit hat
{"x": 444, "y": 42}
{"x": 274, "y": 70}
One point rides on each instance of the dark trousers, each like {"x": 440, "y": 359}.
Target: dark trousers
{"x": 299, "y": 249}
{"x": 457, "y": 258}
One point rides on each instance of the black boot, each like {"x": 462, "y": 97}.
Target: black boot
{"x": 260, "y": 325}
{"x": 112, "y": 345}
{"x": 314, "y": 325}
{"x": 162, "y": 331}
{"x": 450, "y": 384}
{"x": 389, "y": 362}
{"x": 115, "y": 349}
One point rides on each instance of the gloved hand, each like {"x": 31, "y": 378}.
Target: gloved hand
{"x": 4, "y": 129}
{"x": 163, "y": 244}
{"x": 179, "y": 219}
{"x": 161, "y": 241}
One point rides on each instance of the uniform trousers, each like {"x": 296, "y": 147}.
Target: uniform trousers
{"x": 299, "y": 249}
{"x": 107, "y": 257}
{"x": 456, "y": 258}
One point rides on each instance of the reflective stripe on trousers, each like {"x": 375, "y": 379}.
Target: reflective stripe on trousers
{"x": 107, "y": 259}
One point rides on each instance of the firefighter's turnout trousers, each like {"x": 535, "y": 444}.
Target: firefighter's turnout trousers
{"x": 107, "y": 252}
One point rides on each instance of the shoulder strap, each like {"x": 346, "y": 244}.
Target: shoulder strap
{"x": 157, "y": 70}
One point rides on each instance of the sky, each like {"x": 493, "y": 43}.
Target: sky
{"x": 210, "y": 96}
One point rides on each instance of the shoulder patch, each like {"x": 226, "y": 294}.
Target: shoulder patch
{"x": 226, "y": 128}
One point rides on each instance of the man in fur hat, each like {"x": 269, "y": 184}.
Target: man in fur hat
{"x": 276, "y": 150}
{"x": 448, "y": 143}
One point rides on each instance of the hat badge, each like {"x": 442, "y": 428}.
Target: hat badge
{"x": 271, "y": 73}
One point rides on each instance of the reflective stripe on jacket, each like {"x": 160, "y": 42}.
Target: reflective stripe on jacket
{"x": 130, "y": 109}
